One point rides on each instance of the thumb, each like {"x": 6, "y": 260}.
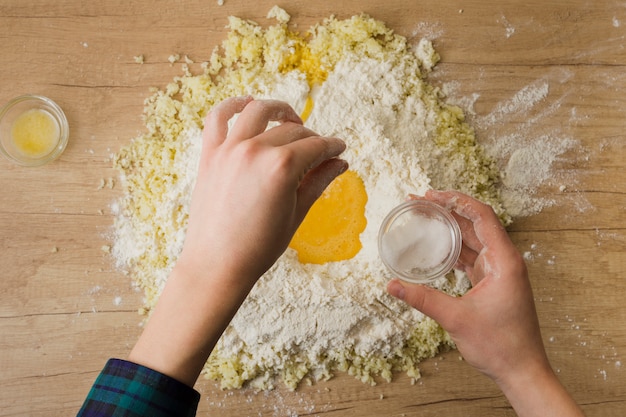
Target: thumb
{"x": 435, "y": 304}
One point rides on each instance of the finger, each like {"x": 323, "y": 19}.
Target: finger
{"x": 467, "y": 263}
{"x": 470, "y": 241}
{"x": 310, "y": 152}
{"x": 435, "y": 304}
{"x": 468, "y": 233}
{"x": 256, "y": 116}
{"x": 468, "y": 256}
{"x": 216, "y": 122}
{"x": 485, "y": 223}
{"x": 416, "y": 197}
{"x": 471, "y": 246}
{"x": 315, "y": 182}
{"x": 285, "y": 133}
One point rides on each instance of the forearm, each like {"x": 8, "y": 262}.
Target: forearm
{"x": 254, "y": 187}
{"x": 186, "y": 324}
{"x": 538, "y": 392}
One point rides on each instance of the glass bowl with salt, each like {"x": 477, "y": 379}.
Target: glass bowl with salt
{"x": 419, "y": 241}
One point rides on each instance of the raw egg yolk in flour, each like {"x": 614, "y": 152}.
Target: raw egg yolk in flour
{"x": 331, "y": 229}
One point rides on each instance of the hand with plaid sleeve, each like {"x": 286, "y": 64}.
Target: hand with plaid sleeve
{"x": 254, "y": 187}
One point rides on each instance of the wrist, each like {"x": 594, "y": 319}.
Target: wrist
{"x": 209, "y": 274}
{"x": 192, "y": 312}
{"x": 535, "y": 390}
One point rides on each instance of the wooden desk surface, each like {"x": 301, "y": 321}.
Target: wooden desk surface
{"x": 64, "y": 309}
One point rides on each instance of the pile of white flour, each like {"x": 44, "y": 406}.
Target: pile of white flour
{"x": 308, "y": 320}
{"x": 321, "y": 315}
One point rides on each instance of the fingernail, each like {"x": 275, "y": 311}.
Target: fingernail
{"x": 343, "y": 168}
{"x": 339, "y": 143}
{"x": 396, "y": 289}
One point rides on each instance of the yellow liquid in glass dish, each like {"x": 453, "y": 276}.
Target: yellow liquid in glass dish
{"x": 35, "y": 133}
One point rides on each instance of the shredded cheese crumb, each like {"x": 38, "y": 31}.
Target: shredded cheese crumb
{"x": 173, "y": 58}
{"x": 279, "y": 14}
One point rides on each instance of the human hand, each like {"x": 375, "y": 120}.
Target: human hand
{"x": 253, "y": 190}
{"x": 254, "y": 187}
{"x": 494, "y": 325}
{"x": 495, "y": 322}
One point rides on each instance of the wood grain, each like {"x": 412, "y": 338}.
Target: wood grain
{"x": 64, "y": 309}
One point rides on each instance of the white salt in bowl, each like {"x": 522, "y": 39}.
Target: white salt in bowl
{"x": 419, "y": 241}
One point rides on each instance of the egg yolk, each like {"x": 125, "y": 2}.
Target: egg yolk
{"x": 331, "y": 229}
{"x": 303, "y": 60}
{"x": 308, "y": 108}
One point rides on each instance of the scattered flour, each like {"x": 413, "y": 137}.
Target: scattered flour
{"x": 527, "y": 157}
{"x": 428, "y": 30}
{"x": 527, "y": 168}
{"x": 510, "y": 29}
{"x": 522, "y": 101}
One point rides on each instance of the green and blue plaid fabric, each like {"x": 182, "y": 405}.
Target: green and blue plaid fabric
{"x": 126, "y": 389}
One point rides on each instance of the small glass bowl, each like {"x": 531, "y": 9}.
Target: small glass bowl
{"x": 419, "y": 241}
{"x": 17, "y": 107}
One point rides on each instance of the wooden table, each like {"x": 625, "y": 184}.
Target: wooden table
{"x": 65, "y": 309}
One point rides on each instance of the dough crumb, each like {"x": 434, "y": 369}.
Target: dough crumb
{"x": 279, "y": 14}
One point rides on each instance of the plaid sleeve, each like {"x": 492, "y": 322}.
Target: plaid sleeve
{"x": 126, "y": 389}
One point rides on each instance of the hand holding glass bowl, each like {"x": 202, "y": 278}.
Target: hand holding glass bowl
{"x": 419, "y": 241}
